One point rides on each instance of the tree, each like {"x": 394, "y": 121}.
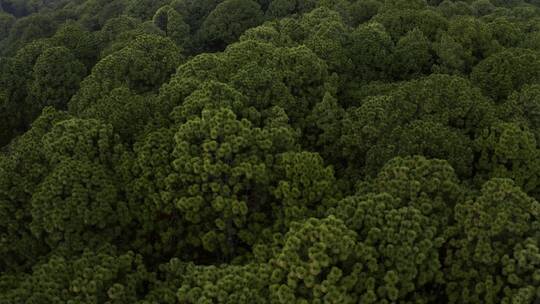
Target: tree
{"x": 56, "y": 77}
{"x": 396, "y": 257}
{"x": 311, "y": 263}
{"x": 94, "y": 276}
{"x": 282, "y": 8}
{"x": 194, "y": 12}
{"x": 429, "y": 185}
{"x": 243, "y": 284}
{"x": 502, "y": 73}
{"x": 27, "y": 29}
{"x": 227, "y": 22}
{"x": 143, "y": 10}
{"x": 412, "y": 55}
{"x": 451, "y": 57}
{"x": 127, "y": 112}
{"x": 492, "y": 259}
{"x": 507, "y": 33}
{"x": 327, "y": 37}
{"x": 142, "y": 66}
{"x": 370, "y": 51}
{"x": 523, "y": 107}
{"x": 450, "y": 8}
{"x": 218, "y": 164}
{"x": 6, "y": 22}
{"x": 172, "y": 23}
{"x": 482, "y": 7}
{"x": 508, "y": 150}
{"x": 21, "y": 171}
{"x": 83, "y": 44}
{"x": 387, "y": 126}
{"x": 398, "y": 22}
{"x": 475, "y": 39}
{"x": 363, "y": 10}
{"x": 77, "y": 207}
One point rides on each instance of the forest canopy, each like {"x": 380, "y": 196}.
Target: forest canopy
{"x": 269, "y": 151}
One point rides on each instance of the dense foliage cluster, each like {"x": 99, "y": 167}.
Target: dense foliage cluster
{"x": 270, "y": 151}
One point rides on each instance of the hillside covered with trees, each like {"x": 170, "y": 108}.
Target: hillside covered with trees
{"x": 269, "y": 151}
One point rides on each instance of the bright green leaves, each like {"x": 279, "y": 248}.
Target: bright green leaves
{"x": 304, "y": 187}
{"x": 309, "y": 268}
{"x": 509, "y": 150}
{"x": 219, "y": 164}
{"x": 496, "y": 257}
{"x": 224, "y": 284}
{"x": 397, "y": 252}
{"x": 94, "y": 277}
{"x": 524, "y": 106}
{"x": 80, "y": 139}
{"x": 77, "y": 207}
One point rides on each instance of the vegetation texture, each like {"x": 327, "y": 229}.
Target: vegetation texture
{"x": 269, "y": 151}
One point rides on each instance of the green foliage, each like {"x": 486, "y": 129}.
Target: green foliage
{"x": 269, "y": 151}
{"x": 21, "y": 172}
{"x": 397, "y": 256}
{"x": 496, "y": 258}
{"x": 524, "y": 107}
{"x": 84, "y": 45}
{"x": 363, "y": 10}
{"x": 126, "y": 111}
{"x": 371, "y": 51}
{"x": 472, "y": 40}
{"x": 398, "y": 22}
{"x": 101, "y": 276}
{"x": 224, "y": 284}
{"x": 309, "y": 267}
{"x": 27, "y": 29}
{"x": 283, "y": 8}
{"x": 429, "y": 185}
{"x": 172, "y": 23}
{"x": 143, "y": 10}
{"x": 412, "y": 55}
{"x": 219, "y": 163}
{"x": 398, "y": 124}
{"x": 509, "y": 151}
{"x": 228, "y": 21}
{"x": 77, "y": 206}
{"x": 502, "y": 73}
{"x": 142, "y": 66}
{"x": 6, "y": 22}
{"x": 304, "y": 187}
{"x": 56, "y": 77}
